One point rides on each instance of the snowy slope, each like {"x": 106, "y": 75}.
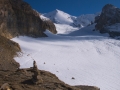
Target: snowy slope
{"x": 60, "y": 17}
{"x": 85, "y": 20}
{"x": 62, "y": 28}
{"x": 87, "y": 31}
{"x": 90, "y": 59}
{"x": 65, "y": 29}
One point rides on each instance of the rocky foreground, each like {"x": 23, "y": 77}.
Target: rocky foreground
{"x": 28, "y": 79}
{"x": 34, "y": 79}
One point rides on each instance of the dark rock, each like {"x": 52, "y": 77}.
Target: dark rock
{"x": 97, "y": 19}
{"x": 113, "y": 34}
{"x": 110, "y": 15}
{"x": 73, "y": 78}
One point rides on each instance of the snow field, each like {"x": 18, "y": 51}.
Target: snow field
{"x": 91, "y": 60}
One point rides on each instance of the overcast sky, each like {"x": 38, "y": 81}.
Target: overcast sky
{"x": 73, "y": 7}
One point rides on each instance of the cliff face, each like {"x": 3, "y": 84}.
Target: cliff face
{"x": 18, "y": 18}
{"x": 110, "y": 15}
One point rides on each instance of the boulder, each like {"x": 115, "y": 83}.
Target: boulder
{"x": 5, "y": 86}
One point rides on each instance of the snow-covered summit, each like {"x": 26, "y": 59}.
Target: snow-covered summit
{"x": 58, "y": 16}
{"x": 66, "y": 23}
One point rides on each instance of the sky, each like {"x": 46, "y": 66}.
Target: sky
{"x": 72, "y": 7}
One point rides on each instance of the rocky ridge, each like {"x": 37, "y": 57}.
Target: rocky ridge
{"x": 110, "y": 15}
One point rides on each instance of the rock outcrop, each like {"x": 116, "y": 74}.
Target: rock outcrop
{"x": 18, "y": 18}
{"x": 48, "y": 24}
{"x": 110, "y": 15}
{"x": 82, "y": 87}
{"x": 8, "y": 50}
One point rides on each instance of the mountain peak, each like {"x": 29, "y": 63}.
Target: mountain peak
{"x": 108, "y": 7}
{"x": 58, "y": 16}
{"x": 57, "y": 10}
{"x": 61, "y": 17}
{"x": 110, "y": 16}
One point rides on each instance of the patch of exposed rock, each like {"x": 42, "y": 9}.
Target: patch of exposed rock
{"x": 18, "y": 18}
{"x": 110, "y": 15}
